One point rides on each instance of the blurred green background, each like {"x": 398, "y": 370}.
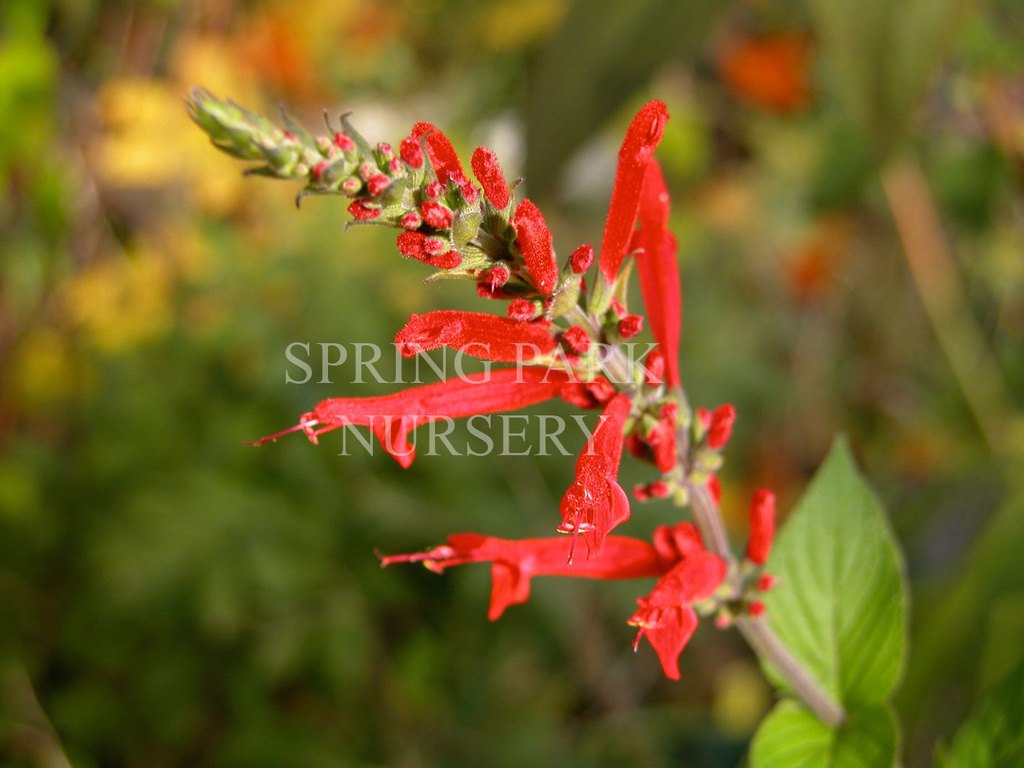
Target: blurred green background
{"x": 847, "y": 183}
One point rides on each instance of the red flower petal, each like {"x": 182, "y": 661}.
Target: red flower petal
{"x": 762, "y": 526}
{"x": 534, "y": 241}
{"x": 642, "y": 137}
{"x": 487, "y": 337}
{"x": 487, "y": 170}
{"x": 658, "y": 270}
{"x": 595, "y": 502}
{"x": 665, "y": 616}
{"x": 392, "y": 417}
{"x": 440, "y": 151}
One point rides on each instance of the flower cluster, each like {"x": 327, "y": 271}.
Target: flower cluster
{"x": 565, "y": 338}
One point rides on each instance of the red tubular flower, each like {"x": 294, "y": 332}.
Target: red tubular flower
{"x": 762, "y": 526}
{"x": 534, "y": 241}
{"x": 642, "y": 137}
{"x": 392, "y": 417}
{"x": 441, "y": 153}
{"x": 657, "y": 268}
{"x": 514, "y": 563}
{"x": 595, "y": 502}
{"x": 666, "y": 616}
{"x": 487, "y": 170}
{"x": 488, "y": 337}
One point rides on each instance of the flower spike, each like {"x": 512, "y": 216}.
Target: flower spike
{"x": 642, "y": 137}
{"x": 487, "y": 337}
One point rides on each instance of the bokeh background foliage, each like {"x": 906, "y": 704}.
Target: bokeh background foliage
{"x": 848, "y": 186}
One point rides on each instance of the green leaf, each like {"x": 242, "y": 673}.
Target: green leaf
{"x": 604, "y": 51}
{"x": 792, "y": 737}
{"x": 992, "y": 737}
{"x": 839, "y": 604}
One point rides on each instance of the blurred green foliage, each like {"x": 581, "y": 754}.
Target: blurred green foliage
{"x": 172, "y": 597}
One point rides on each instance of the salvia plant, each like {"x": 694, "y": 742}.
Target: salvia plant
{"x": 823, "y": 609}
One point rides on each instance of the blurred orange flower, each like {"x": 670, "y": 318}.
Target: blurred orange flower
{"x": 769, "y": 71}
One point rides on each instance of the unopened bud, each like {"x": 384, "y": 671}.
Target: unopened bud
{"x": 581, "y": 259}
{"x": 411, "y": 152}
{"x": 630, "y": 326}
{"x": 344, "y": 142}
{"x": 576, "y": 339}
{"x": 522, "y": 309}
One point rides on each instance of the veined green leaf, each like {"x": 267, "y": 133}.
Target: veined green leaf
{"x": 792, "y": 737}
{"x": 839, "y": 604}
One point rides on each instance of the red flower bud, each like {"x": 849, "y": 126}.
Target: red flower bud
{"x": 436, "y": 215}
{"x": 654, "y": 367}
{"x": 344, "y": 142}
{"x": 534, "y": 241}
{"x": 377, "y": 184}
{"x": 411, "y": 151}
{"x": 522, "y": 309}
{"x": 429, "y": 250}
{"x": 576, "y": 339}
{"x": 361, "y": 211}
{"x": 581, "y": 259}
{"x": 487, "y": 170}
{"x": 762, "y": 527}
{"x": 440, "y": 151}
{"x": 720, "y": 427}
{"x": 630, "y": 326}
{"x": 714, "y": 486}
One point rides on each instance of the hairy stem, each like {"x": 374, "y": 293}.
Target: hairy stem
{"x": 757, "y": 631}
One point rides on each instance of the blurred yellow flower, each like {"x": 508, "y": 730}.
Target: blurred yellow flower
{"x": 121, "y": 302}
{"x": 150, "y": 142}
{"x": 741, "y": 699}
{"x": 42, "y": 371}
{"x": 513, "y": 24}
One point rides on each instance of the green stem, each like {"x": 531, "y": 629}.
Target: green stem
{"x": 758, "y": 632}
